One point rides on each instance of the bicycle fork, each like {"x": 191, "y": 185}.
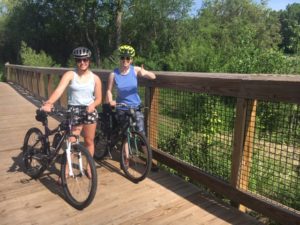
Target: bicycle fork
{"x": 132, "y": 142}
{"x": 68, "y": 153}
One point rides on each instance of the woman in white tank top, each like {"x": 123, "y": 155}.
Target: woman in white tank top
{"x": 84, "y": 93}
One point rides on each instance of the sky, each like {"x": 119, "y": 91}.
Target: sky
{"x": 273, "y": 4}
{"x": 280, "y": 4}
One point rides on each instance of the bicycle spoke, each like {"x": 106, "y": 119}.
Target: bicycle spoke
{"x": 137, "y": 162}
{"x": 79, "y": 183}
{"x": 33, "y": 152}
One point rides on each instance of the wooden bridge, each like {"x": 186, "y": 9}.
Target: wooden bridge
{"x": 236, "y": 135}
{"x": 160, "y": 199}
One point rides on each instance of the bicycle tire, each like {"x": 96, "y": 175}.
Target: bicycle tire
{"x": 34, "y": 152}
{"x": 138, "y": 165}
{"x": 101, "y": 145}
{"x": 80, "y": 189}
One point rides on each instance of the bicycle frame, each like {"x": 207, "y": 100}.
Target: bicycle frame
{"x": 121, "y": 130}
{"x": 120, "y": 134}
{"x": 65, "y": 137}
{"x": 41, "y": 149}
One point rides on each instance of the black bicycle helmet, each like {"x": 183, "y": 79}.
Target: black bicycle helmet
{"x": 81, "y": 52}
{"x": 126, "y": 50}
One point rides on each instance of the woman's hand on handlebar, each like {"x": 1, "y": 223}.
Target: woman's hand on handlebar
{"x": 47, "y": 107}
{"x": 113, "y": 103}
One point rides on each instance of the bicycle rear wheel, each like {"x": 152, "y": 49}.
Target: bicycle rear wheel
{"x": 136, "y": 164}
{"x": 33, "y": 152}
{"x": 79, "y": 188}
{"x": 101, "y": 148}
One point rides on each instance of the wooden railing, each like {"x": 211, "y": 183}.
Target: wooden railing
{"x": 246, "y": 91}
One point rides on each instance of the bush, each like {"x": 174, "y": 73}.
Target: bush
{"x": 195, "y": 56}
{"x": 30, "y": 57}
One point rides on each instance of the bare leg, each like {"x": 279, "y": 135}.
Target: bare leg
{"x": 126, "y": 153}
{"x": 89, "y": 135}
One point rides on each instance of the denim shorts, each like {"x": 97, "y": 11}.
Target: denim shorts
{"x": 81, "y": 116}
{"x": 139, "y": 116}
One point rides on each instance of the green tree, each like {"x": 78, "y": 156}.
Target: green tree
{"x": 151, "y": 26}
{"x": 59, "y": 26}
{"x": 290, "y": 29}
{"x": 227, "y": 37}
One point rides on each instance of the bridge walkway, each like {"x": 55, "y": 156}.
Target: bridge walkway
{"x": 162, "y": 198}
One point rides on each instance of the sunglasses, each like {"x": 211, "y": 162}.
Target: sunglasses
{"x": 82, "y": 60}
{"x": 125, "y": 58}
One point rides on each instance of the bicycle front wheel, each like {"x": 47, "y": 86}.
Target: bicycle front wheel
{"x": 136, "y": 156}
{"x": 79, "y": 177}
{"x": 33, "y": 152}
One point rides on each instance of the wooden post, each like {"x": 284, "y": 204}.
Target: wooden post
{"x": 153, "y": 120}
{"x": 21, "y": 78}
{"x": 238, "y": 142}
{"x": 35, "y": 84}
{"x": 146, "y": 112}
{"x": 50, "y": 88}
{"x": 248, "y": 149}
{"x": 16, "y": 76}
{"x": 153, "y": 116}
{"x": 7, "y": 73}
{"x": 24, "y": 78}
{"x": 243, "y": 145}
{"x": 41, "y": 81}
{"x": 28, "y": 81}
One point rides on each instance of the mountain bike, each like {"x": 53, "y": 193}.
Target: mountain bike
{"x": 115, "y": 134}
{"x": 78, "y": 171}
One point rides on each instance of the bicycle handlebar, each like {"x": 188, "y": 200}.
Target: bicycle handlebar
{"x": 124, "y": 105}
{"x": 62, "y": 112}
{"x": 59, "y": 112}
{"x": 128, "y": 106}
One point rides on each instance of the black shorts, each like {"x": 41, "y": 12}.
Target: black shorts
{"x": 81, "y": 116}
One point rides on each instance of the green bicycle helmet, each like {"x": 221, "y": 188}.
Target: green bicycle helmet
{"x": 126, "y": 50}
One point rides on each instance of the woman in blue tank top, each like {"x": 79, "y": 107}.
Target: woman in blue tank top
{"x": 84, "y": 94}
{"x": 125, "y": 78}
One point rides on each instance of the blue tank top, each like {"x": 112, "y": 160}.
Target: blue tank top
{"x": 81, "y": 93}
{"x": 127, "y": 88}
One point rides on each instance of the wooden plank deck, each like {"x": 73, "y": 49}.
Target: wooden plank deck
{"x": 160, "y": 199}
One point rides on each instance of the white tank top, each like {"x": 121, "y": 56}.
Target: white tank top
{"x": 81, "y": 93}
